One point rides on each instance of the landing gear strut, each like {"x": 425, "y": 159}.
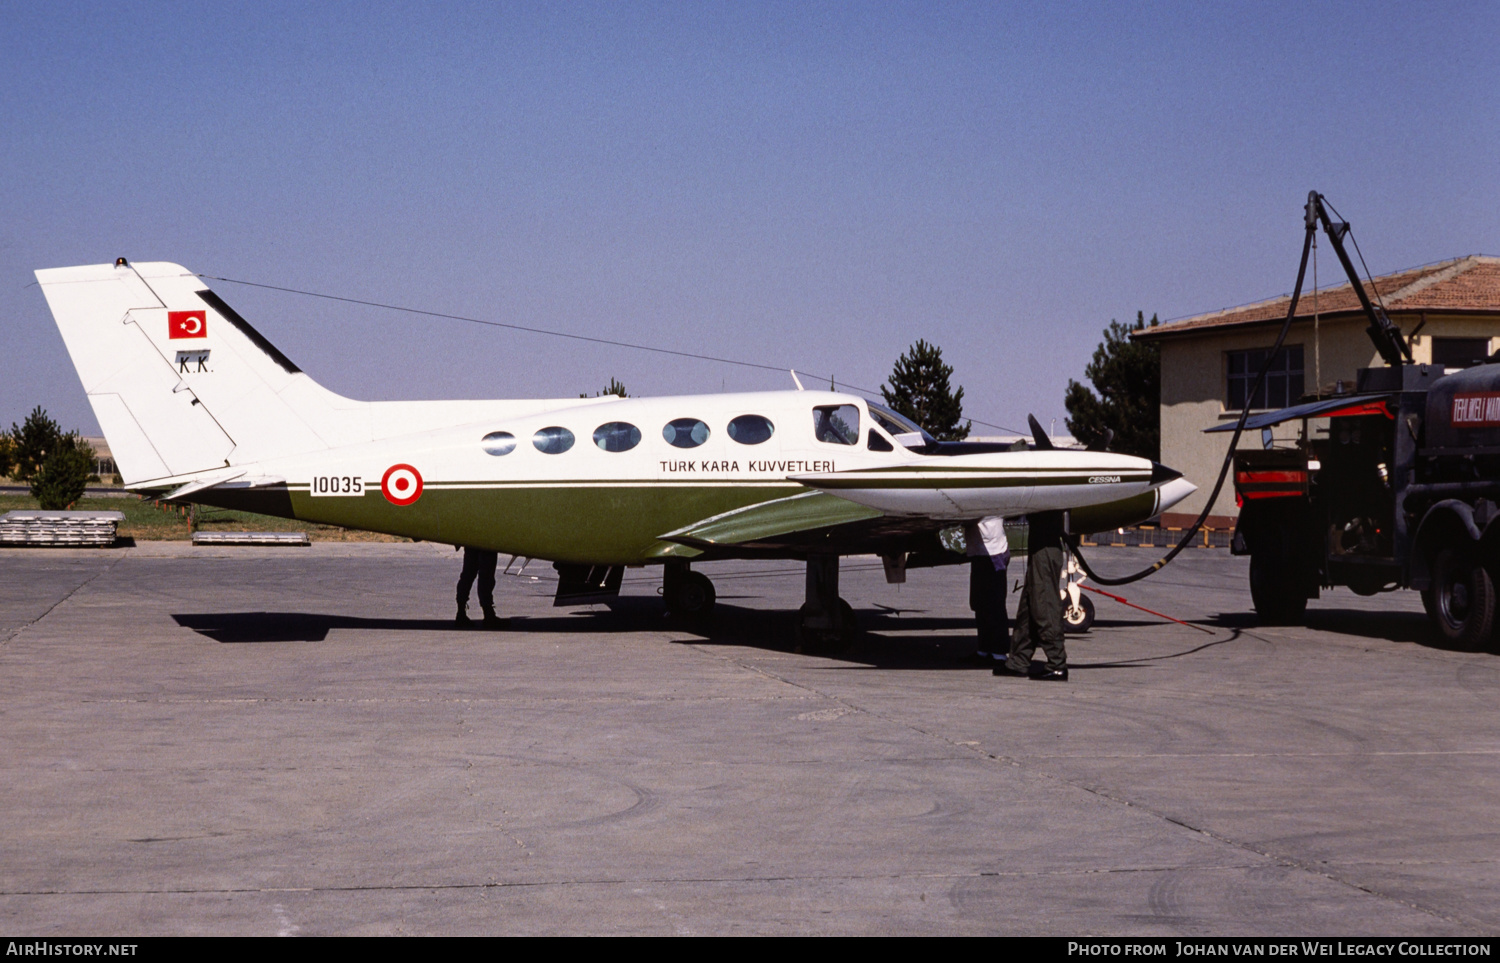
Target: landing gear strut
{"x": 825, "y": 621}
{"x": 689, "y": 595}
{"x": 1078, "y": 609}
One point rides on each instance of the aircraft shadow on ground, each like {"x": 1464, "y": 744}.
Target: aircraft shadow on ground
{"x": 295, "y": 626}
{"x": 630, "y": 614}
{"x": 886, "y": 640}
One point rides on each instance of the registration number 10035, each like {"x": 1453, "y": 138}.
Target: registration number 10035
{"x": 337, "y": 485}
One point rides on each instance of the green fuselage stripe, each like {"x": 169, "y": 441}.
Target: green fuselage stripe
{"x": 615, "y": 524}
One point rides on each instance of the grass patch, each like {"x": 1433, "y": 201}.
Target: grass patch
{"x": 148, "y": 521}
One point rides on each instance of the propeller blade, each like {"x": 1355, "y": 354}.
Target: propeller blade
{"x": 1043, "y": 443}
{"x": 1102, "y": 444}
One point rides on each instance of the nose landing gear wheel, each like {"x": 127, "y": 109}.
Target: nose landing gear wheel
{"x": 1078, "y": 619}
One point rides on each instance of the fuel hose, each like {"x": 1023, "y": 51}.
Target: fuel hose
{"x": 1239, "y": 426}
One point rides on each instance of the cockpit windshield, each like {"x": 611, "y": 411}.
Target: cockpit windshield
{"x": 901, "y": 428}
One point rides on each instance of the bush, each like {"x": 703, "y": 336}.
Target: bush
{"x": 64, "y": 473}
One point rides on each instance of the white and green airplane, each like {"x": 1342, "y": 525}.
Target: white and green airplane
{"x": 197, "y": 405}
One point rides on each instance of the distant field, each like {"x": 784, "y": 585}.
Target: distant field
{"x": 147, "y": 521}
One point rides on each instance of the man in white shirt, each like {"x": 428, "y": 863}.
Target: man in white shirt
{"x": 989, "y": 556}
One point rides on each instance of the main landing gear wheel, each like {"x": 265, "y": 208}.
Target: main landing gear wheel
{"x": 818, "y": 632}
{"x": 1078, "y": 619}
{"x": 690, "y": 597}
{"x": 825, "y": 623}
{"x": 1463, "y": 600}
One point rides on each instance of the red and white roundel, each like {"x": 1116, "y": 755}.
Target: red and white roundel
{"x": 401, "y": 484}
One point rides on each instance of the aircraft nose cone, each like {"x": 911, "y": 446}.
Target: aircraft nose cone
{"x": 1161, "y": 474}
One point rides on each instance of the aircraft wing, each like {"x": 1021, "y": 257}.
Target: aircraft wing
{"x": 768, "y": 520}
{"x": 801, "y": 524}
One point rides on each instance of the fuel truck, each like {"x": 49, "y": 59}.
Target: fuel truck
{"x": 1403, "y": 493}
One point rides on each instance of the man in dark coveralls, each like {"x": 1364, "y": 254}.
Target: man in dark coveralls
{"x": 1039, "y": 617}
{"x": 481, "y": 564}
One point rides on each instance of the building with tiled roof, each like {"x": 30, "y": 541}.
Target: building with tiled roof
{"x": 1451, "y": 309}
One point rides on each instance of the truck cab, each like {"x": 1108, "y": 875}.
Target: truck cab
{"x": 1399, "y": 492}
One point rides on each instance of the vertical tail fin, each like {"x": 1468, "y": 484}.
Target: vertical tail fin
{"x": 181, "y": 383}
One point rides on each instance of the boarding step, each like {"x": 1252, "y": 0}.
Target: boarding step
{"x": 60, "y": 529}
{"x": 251, "y": 538}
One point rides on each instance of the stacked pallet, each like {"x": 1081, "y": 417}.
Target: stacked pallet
{"x": 60, "y": 529}
{"x": 251, "y": 538}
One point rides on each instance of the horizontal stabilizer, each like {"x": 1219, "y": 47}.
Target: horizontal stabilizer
{"x": 201, "y": 484}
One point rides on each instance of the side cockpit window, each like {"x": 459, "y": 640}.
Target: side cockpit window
{"x": 836, "y": 424}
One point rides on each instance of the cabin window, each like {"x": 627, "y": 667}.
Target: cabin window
{"x": 553, "y": 440}
{"x": 617, "y": 436}
{"x": 877, "y": 442}
{"x": 751, "y": 429}
{"x": 499, "y": 443}
{"x": 836, "y": 424}
{"x": 685, "y": 433}
{"x": 1283, "y": 384}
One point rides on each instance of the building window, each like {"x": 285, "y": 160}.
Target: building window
{"x": 1283, "y": 384}
{"x": 1459, "y": 352}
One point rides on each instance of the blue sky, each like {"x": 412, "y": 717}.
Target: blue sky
{"x": 808, "y": 185}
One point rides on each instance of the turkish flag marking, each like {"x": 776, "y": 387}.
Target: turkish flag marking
{"x": 401, "y": 485}
{"x": 187, "y": 324}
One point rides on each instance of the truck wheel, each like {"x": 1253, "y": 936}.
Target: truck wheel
{"x": 1274, "y": 591}
{"x": 1463, "y": 597}
{"x": 1429, "y": 603}
{"x": 1077, "y": 621}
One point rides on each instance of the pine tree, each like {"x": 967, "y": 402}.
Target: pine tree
{"x": 31, "y": 441}
{"x": 1127, "y": 376}
{"x": 918, "y": 388}
{"x": 64, "y": 473}
{"x": 615, "y": 388}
